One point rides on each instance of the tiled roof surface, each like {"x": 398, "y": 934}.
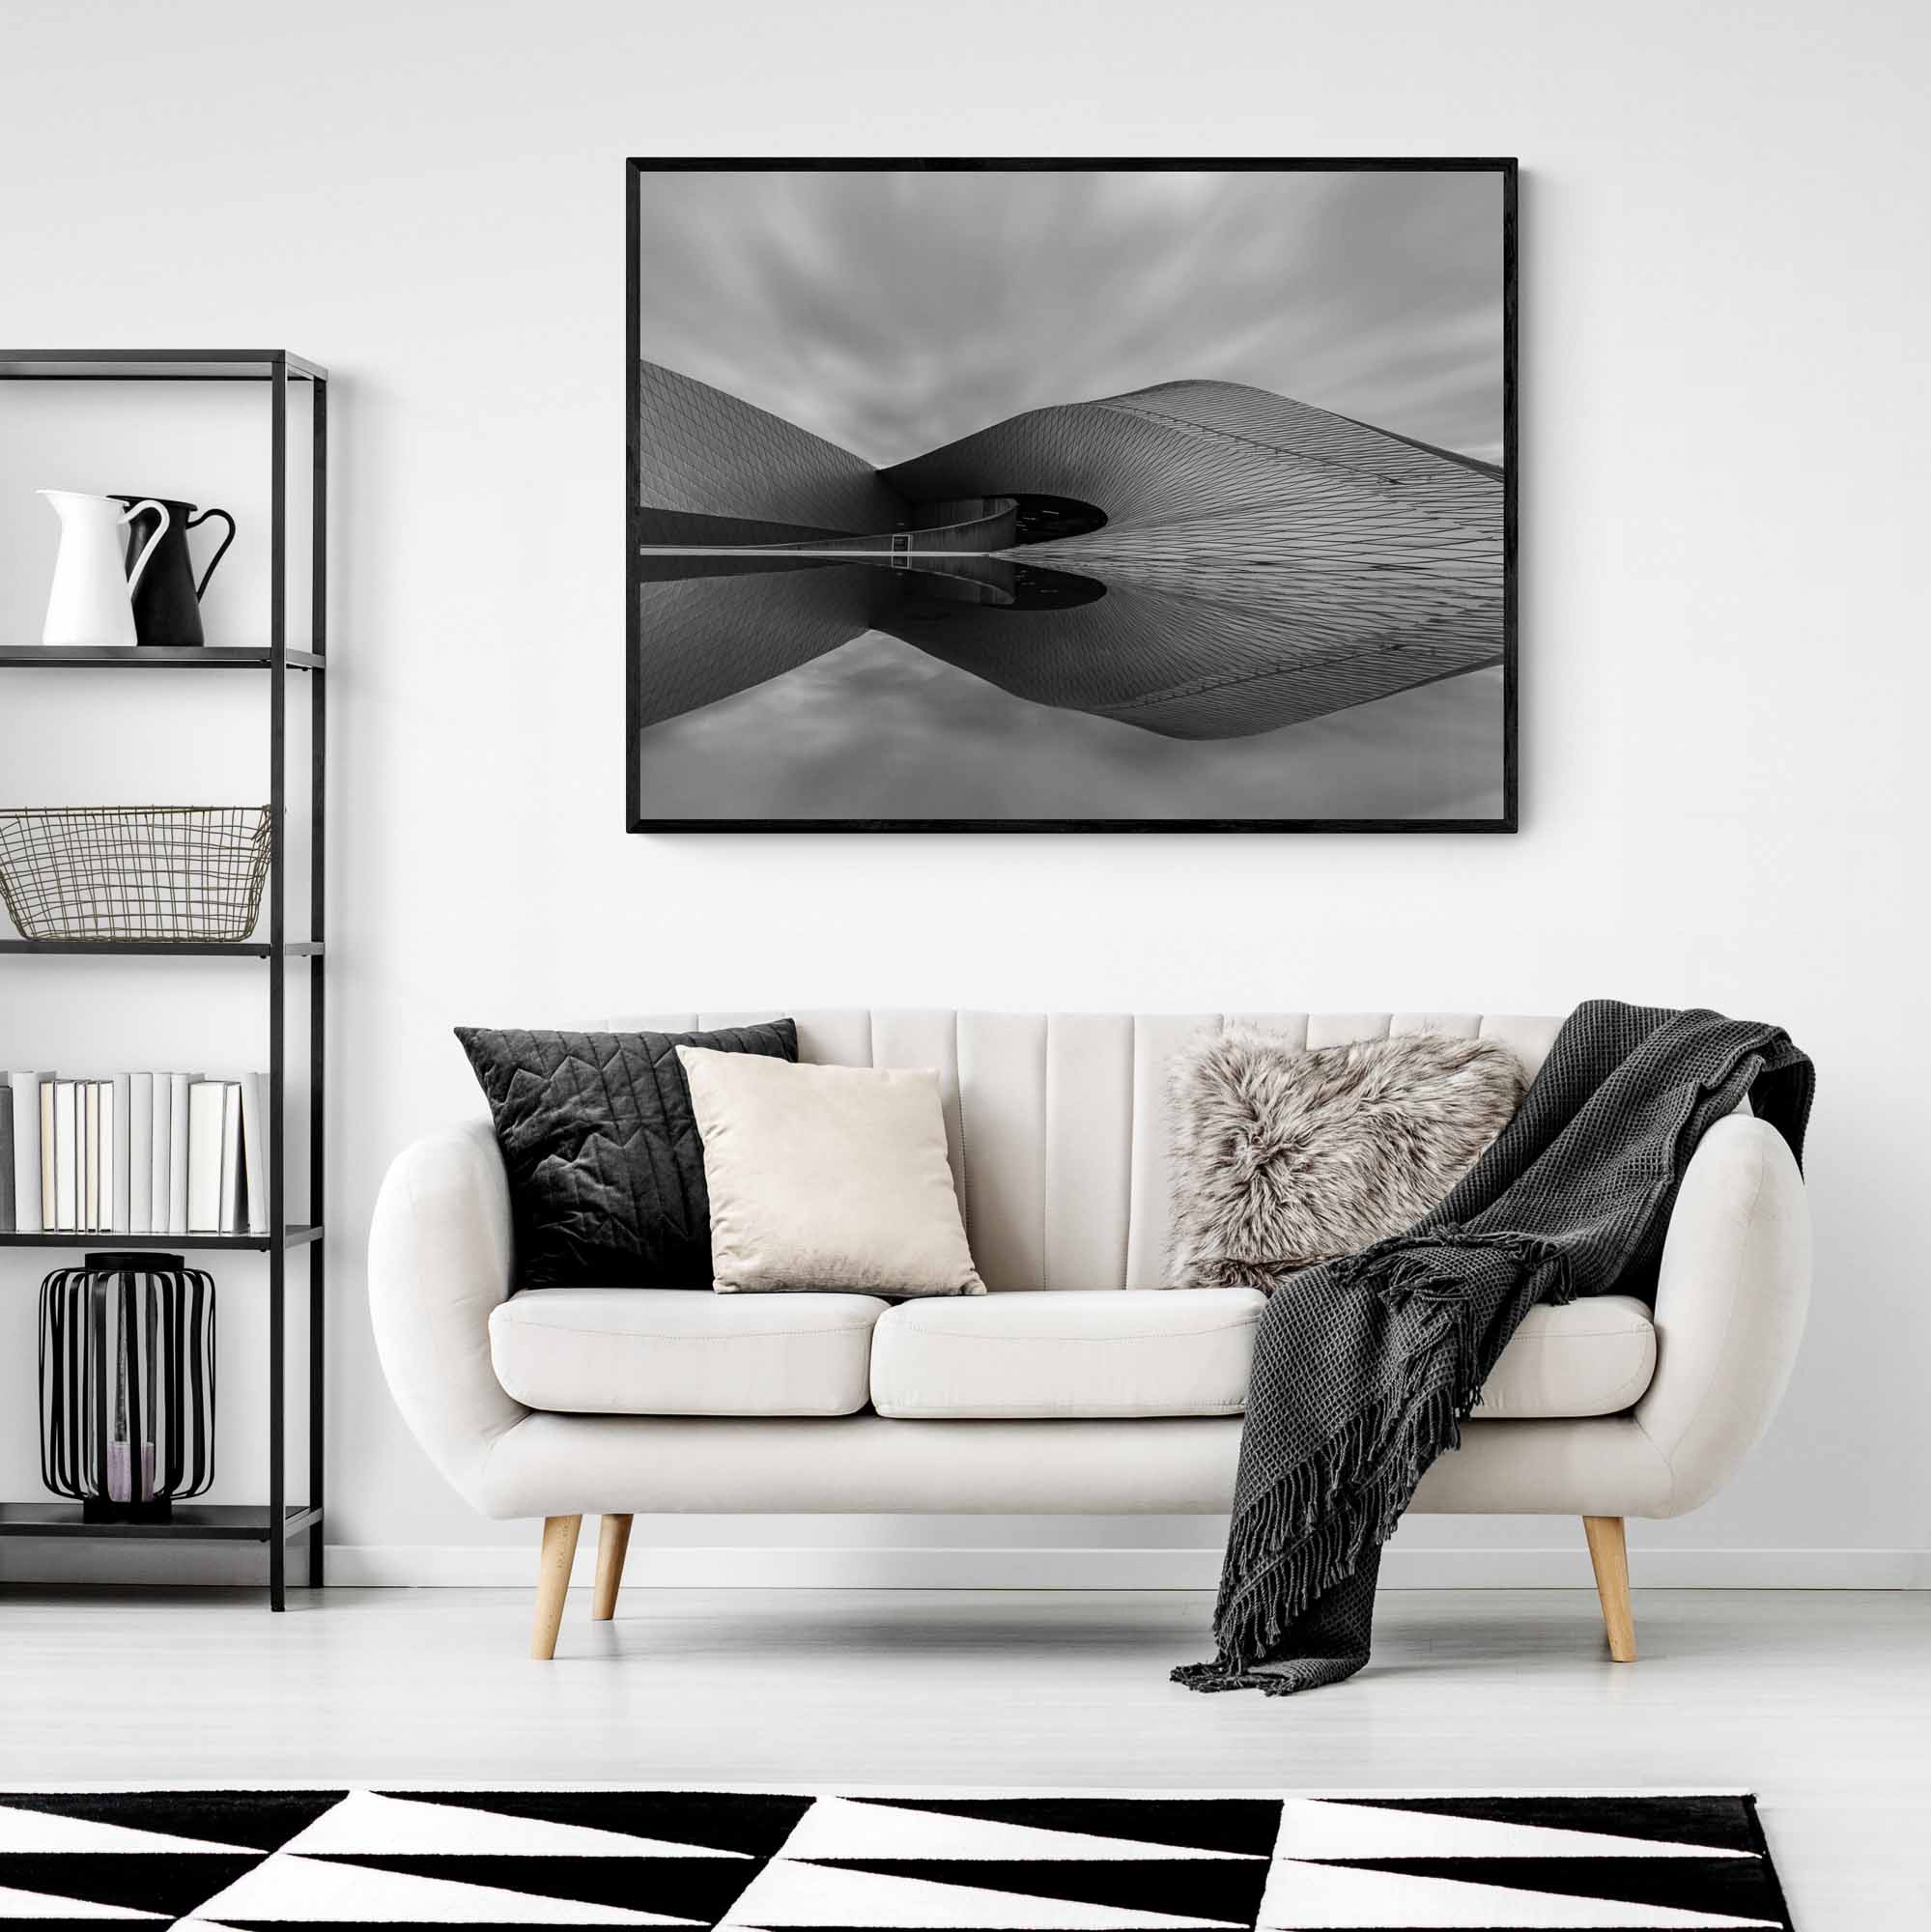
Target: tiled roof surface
{"x": 701, "y": 449}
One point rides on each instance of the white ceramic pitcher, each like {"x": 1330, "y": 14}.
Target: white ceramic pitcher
{"x": 92, "y": 599}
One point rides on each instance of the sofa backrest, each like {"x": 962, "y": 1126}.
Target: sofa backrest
{"x": 1056, "y": 1123}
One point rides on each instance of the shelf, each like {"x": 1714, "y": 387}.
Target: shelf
{"x": 156, "y": 365}
{"x": 297, "y": 445}
{"x": 161, "y": 949}
{"x": 218, "y": 1523}
{"x": 299, "y": 1234}
{"x": 151, "y": 657}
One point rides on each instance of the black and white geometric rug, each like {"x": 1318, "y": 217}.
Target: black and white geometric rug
{"x": 861, "y": 1860}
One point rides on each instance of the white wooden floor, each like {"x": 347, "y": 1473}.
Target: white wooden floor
{"x": 1819, "y": 1701}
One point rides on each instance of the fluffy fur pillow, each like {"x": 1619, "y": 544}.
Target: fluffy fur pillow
{"x": 1282, "y": 1158}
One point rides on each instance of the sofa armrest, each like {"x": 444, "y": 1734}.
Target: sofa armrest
{"x": 1731, "y": 1299}
{"x": 441, "y": 1254}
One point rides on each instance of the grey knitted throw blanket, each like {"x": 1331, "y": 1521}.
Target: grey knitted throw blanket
{"x": 1365, "y": 1368}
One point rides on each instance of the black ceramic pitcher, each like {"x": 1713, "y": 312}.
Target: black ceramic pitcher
{"x": 167, "y": 600}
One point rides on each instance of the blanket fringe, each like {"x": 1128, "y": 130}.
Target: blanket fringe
{"x": 1311, "y": 1530}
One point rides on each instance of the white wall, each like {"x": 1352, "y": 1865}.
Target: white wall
{"x": 1725, "y": 667}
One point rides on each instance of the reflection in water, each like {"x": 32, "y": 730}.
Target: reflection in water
{"x": 878, "y": 730}
{"x": 1199, "y": 651}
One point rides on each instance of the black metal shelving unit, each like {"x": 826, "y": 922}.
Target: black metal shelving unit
{"x": 275, "y": 1523}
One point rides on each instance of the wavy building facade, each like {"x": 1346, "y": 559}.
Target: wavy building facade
{"x": 1199, "y": 559}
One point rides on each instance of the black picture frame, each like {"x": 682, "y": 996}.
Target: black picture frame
{"x": 637, "y": 168}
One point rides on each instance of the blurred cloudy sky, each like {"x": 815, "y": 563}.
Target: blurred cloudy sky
{"x": 892, "y": 311}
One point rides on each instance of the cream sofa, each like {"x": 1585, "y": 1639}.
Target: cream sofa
{"x": 1070, "y": 1387}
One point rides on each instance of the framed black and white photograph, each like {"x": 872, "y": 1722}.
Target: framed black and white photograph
{"x": 1107, "y": 496}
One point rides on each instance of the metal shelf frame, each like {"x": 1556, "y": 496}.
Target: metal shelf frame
{"x": 161, "y": 949}
{"x": 297, "y": 1234}
{"x": 151, "y": 657}
{"x": 275, "y": 1523}
{"x": 191, "y": 1523}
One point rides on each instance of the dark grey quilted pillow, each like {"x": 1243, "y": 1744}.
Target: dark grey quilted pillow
{"x": 606, "y": 1166}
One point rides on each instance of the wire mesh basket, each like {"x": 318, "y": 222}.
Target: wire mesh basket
{"x": 158, "y": 872}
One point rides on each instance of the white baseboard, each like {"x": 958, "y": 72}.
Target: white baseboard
{"x": 455, "y": 1565}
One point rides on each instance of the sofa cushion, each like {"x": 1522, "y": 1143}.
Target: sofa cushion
{"x": 1594, "y": 1357}
{"x": 665, "y": 1351}
{"x": 1122, "y": 1353}
{"x": 1066, "y": 1353}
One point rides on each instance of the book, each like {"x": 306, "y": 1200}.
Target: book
{"x": 49, "y": 1217}
{"x": 180, "y": 1086}
{"x": 159, "y": 1146}
{"x": 104, "y": 1207}
{"x": 68, "y": 1190}
{"x": 139, "y": 1091}
{"x": 207, "y": 1106}
{"x": 121, "y": 1220}
{"x": 86, "y": 1136}
{"x": 25, "y": 1090}
{"x": 254, "y": 1152}
{"x": 6, "y": 1155}
{"x": 103, "y": 1148}
{"x": 90, "y": 1169}
{"x": 100, "y": 1170}
{"x": 231, "y": 1156}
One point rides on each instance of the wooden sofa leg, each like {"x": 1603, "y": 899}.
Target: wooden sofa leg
{"x": 552, "y": 1582}
{"x": 612, "y": 1544}
{"x": 1611, "y": 1556}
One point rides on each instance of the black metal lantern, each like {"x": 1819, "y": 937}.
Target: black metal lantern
{"x": 128, "y": 1386}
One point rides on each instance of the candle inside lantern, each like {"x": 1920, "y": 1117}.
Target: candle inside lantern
{"x": 120, "y": 1468}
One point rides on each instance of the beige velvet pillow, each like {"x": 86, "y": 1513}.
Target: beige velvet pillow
{"x": 827, "y": 1178}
